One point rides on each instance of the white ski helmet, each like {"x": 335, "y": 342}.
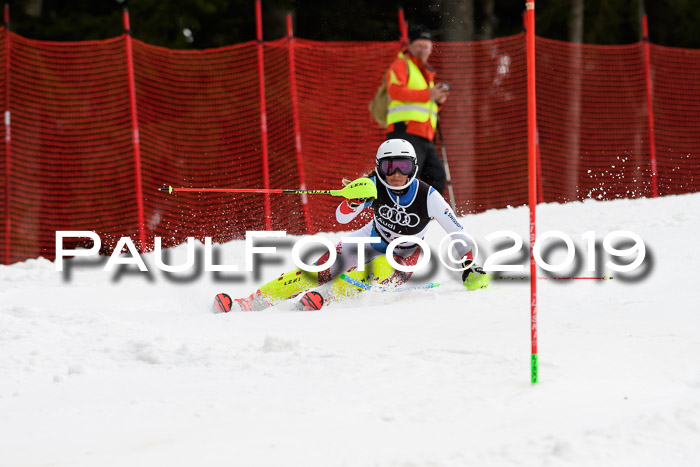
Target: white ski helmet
{"x": 396, "y": 150}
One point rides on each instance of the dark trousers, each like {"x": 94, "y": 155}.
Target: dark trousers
{"x": 430, "y": 167}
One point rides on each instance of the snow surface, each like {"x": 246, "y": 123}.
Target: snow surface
{"x": 133, "y": 369}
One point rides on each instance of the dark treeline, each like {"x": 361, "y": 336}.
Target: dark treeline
{"x": 201, "y": 24}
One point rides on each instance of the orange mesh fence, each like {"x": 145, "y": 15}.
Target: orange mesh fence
{"x": 287, "y": 211}
{"x": 676, "y": 75}
{"x": 338, "y": 136}
{"x": 198, "y": 122}
{"x": 484, "y": 122}
{"x": 592, "y": 120}
{"x": 71, "y": 156}
{"x": 5, "y": 168}
{"x": 70, "y": 163}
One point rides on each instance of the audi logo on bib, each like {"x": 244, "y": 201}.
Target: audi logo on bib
{"x": 400, "y": 217}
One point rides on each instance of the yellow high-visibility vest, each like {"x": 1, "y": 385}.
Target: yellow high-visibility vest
{"x": 400, "y": 111}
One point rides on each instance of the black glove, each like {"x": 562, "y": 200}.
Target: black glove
{"x": 472, "y": 270}
{"x": 475, "y": 277}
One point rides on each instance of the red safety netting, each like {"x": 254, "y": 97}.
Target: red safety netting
{"x": 485, "y": 121}
{"x": 72, "y": 165}
{"x": 287, "y": 210}
{"x": 676, "y": 75}
{"x": 339, "y": 137}
{"x": 198, "y": 119}
{"x": 5, "y": 169}
{"x": 71, "y": 161}
{"x": 592, "y": 121}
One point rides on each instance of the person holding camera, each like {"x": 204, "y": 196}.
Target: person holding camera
{"x": 414, "y": 104}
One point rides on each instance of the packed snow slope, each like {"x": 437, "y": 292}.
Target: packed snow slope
{"x": 125, "y": 368}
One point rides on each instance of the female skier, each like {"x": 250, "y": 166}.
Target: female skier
{"x": 404, "y": 206}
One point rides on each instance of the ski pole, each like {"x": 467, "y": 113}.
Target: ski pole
{"x": 358, "y": 189}
{"x": 524, "y": 278}
{"x": 447, "y": 169}
{"x": 363, "y": 286}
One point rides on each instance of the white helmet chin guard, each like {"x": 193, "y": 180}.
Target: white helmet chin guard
{"x": 396, "y": 149}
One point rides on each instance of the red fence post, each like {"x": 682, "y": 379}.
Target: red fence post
{"x": 8, "y": 137}
{"x": 135, "y": 132}
{"x": 532, "y": 180}
{"x": 295, "y": 118}
{"x": 540, "y": 191}
{"x": 650, "y": 106}
{"x": 403, "y": 29}
{"x": 263, "y": 112}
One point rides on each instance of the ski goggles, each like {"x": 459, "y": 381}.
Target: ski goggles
{"x": 390, "y": 166}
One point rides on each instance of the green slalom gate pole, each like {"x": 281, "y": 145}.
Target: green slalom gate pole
{"x": 534, "y": 368}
